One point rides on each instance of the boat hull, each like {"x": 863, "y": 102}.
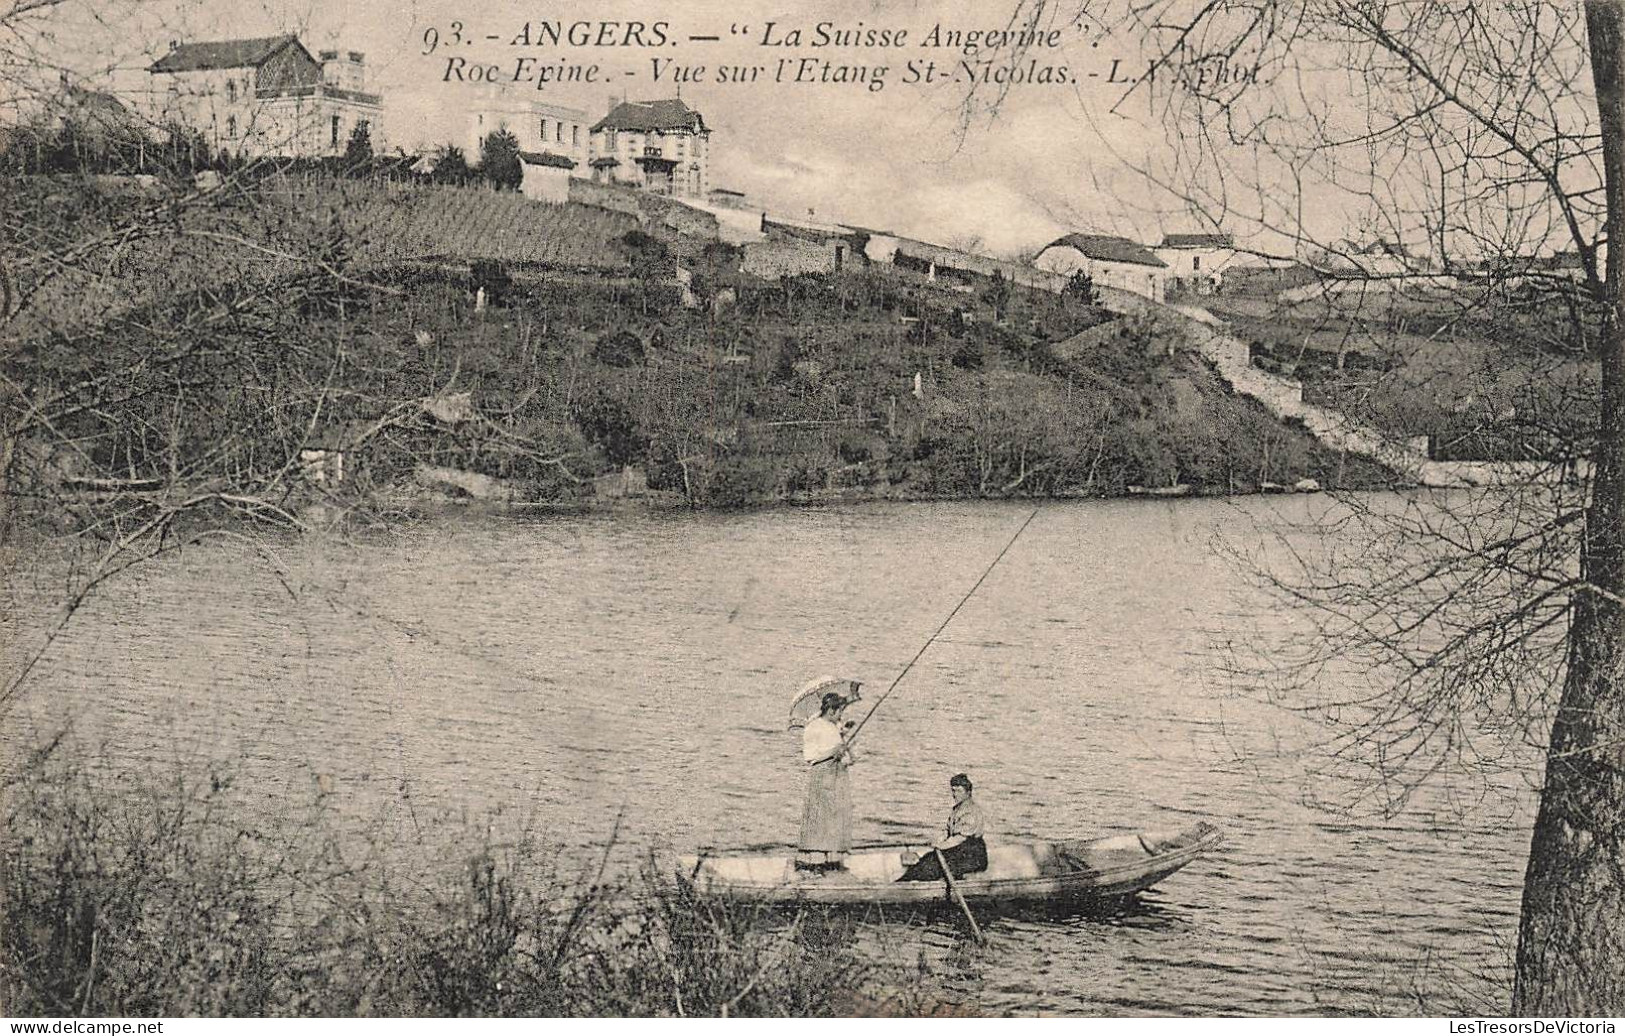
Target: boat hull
{"x": 1022, "y": 872}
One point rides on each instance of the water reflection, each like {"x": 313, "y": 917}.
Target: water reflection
{"x": 1137, "y": 911}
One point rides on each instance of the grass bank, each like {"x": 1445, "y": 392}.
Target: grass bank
{"x": 124, "y": 897}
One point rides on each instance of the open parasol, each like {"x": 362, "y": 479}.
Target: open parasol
{"x": 809, "y": 697}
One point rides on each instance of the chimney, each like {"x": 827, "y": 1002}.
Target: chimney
{"x": 174, "y": 45}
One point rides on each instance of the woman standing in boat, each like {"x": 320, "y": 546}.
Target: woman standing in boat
{"x": 962, "y": 845}
{"x": 826, "y": 823}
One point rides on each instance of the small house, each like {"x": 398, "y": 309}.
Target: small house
{"x": 546, "y": 176}
{"x": 1197, "y": 261}
{"x": 1110, "y": 261}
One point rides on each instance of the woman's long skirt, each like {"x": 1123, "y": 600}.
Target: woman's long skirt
{"x": 826, "y": 822}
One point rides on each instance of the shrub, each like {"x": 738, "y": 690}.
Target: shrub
{"x": 619, "y": 349}
{"x": 451, "y": 167}
{"x": 740, "y": 482}
{"x": 1081, "y": 286}
{"x": 493, "y": 276}
{"x": 358, "y": 149}
{"x": 607, "y": 424}
{"x": 129, "y": 896}
{"x": 968, "y": 355}
{"x": 998, "y": 294}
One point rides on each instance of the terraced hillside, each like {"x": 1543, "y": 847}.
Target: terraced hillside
{"x": 390, "y": 222}
{"x": 80, "y": 250}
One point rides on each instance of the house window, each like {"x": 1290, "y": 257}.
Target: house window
{"x": 544, "y": 131}
{"x": 1196, "y": 262}
{"x": 231, "y": 91}
{"x": 231, "y": 127}
{"x": 609, "y": 139}
{"x": 575, "y": 136}
{"x": 334, "y": 129}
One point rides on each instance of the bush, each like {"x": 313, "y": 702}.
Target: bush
{"x": 451, "y": 167}
{"x": 607, "y": 424}
{"x": 358, "y": 149}
{"x": 968, "y": 355}
{"x": 493, "y": 276}
{"x": 997, "y": 294}
{"x": 715, "y": 268}
{"x": 620, "y": 349}
{"x": 162, "y": 898}
{"x": 739, "y": 482}
{"x": 1081, "y": 286}
{"x": 854, "y": 448}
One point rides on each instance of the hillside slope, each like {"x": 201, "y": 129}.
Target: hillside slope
{"x": 872, "y": 382}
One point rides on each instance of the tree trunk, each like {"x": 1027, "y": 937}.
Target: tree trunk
{"x": 1571, "y": 939}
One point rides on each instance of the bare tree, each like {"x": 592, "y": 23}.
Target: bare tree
{"x": 1484, "y": 135}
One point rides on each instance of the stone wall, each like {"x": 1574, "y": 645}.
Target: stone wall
{"x": 605, "y": 196}
{"x": 661, "y": 211}
{"x": 787, "y": 257}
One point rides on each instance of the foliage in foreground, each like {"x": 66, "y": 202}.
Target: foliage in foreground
{"x": 171, "y": 901}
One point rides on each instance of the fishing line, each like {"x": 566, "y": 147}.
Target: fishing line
{"x": 917, "y": 655}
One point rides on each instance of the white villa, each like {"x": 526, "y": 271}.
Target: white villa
{"x": 540, "y": 128}
{"x": 266, "y": 96}
{"x": 659, "y": 146}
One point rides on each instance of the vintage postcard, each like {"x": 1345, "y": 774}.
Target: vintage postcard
{"x": 820, "y": 508}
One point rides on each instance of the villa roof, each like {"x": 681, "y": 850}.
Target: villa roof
{"x": 251, "y": 53}
{"x": 652, "y": 116}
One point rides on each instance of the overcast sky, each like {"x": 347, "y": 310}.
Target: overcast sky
{"x": 1054, "y": 158}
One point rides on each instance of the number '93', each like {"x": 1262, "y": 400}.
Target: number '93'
{"x": 432, "y": 38}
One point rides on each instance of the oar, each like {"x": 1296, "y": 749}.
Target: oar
{"x": 959, "y": 897}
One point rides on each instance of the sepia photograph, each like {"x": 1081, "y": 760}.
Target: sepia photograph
{"x": 900, "y": 509}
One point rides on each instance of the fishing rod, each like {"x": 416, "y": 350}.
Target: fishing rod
{"x": 876, "y": 707}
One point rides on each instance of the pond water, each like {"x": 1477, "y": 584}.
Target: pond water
{"x": 593, "y": 671}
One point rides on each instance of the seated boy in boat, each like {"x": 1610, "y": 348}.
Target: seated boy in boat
{"x": 962, "y": 846}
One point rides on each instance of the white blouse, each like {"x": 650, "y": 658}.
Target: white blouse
{"x": 820, "y": 740}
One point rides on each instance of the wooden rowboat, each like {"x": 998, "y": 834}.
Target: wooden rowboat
{"x": 1016, "y": 871}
